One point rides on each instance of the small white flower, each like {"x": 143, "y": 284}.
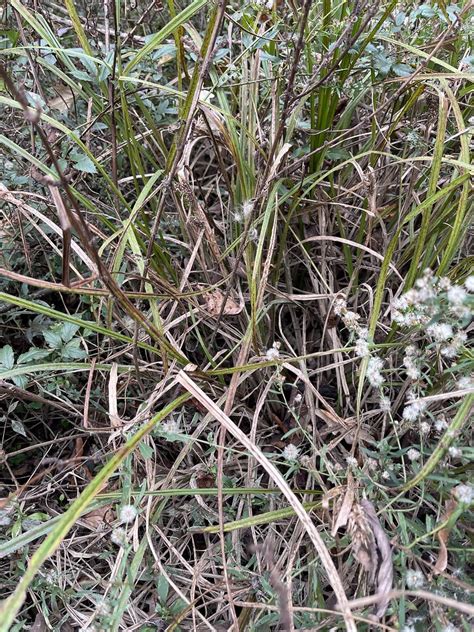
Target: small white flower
{"x": 247, "y": 208}
{"x": 290, "y": 453}
{"x": 465, "y": 383}
{"x": 413, "y": 372}
{"x": 414, "y": 579}
{"x": 350, "y": 320}
{"x": 385, "y": 404}
{"x": 464, "y": 493}
{"x": 449, "y": 627}
{"x": 441, "y": 424}
{"x": 456, "y": 295}
{"x": 385, "y": 474}
{"x": 413, "y": 454}
{"x": 51, "y": 577}
{"x": 119, "y": 536}
{"x": 253, "y": 234}
{"x": 440, "y": 332}
{"x": 469, "y": 283}
{"x": 339, "y": 306}
{"x": 363, "y": 333}
{"x": 372, "y": 464}
{"x": 102, "y": 608}
{"x": 414, "y": 410}
{"x": 273, "y": 352}
{"x": 460, "y": 338}
{"x": 351, "y": 461}
{"x": 454, "y": 452}
{"x": 128, "y": 513}
{"x": 374, "y": 367}
{"x": 449, "y": 351}
{"x": 171, "y": 427}
{"x": 425, "y": 427}
{"x": 361, "y": 348}
{"x": 444, "y": 283}
{"x": 410, "y": 413}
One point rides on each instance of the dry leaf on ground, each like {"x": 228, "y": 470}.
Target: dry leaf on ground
{"x": 214, "y": 301}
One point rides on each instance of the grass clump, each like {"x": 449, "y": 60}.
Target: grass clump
{"x": 237, "y": 290}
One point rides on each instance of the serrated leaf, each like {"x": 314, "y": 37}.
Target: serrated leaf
{"x": 20, "y": 380}
{"x": 7, "y": 357}
{"x": 53, "y": 339}
{"x": 68, "y": 331}
{"x": 73, "y": 351}
{"x": 32, "y": 355}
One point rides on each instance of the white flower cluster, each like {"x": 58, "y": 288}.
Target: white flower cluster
{"x": 434, "y": 302}
{"x": 119, "y": 536}
{"x": 128, "y": 513}
{"x": 465, "y": 493}
{"x": 414, "y": 579}
{"x": 290, "y": 453}
{"x": 170, "y": 427}
{"x": 374, "y": 374}
{"x": 273, "y": 353}
{"x": 351, "y": 321}
{"x": 410, "y": 362}
{"x": 415, "y": 410}
{"x": 264, "y": 4}
{"x": 413, "y": 454}
{"x": 466, "y": 382}
{"x": 245, "y": 211}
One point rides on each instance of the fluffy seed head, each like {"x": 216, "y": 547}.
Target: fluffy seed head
{"x": 290, "y": 453}
{"x": 128, "y": 513}
{"x": 464, "y": 493}
{"x": 414, "y": 579}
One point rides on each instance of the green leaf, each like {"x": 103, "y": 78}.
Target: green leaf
{"x": 165, "y": 32}
{"x": 20, "y": 380}
{"x": 162, "y": 588}
{"x": 68, "y": 331}
{"x": 53, "y": 339}
{"x": 32, "y": 355}
{"x": 83, "y": 163}
{"x": 73, "y": 351}
{"x": 402, "y": 70}
{"x": 146, "y": 451}
{"x": 7, "y": 358}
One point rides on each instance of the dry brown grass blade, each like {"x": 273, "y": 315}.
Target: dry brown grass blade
{"x": 66, "y": 228}
{"x": 115, "y": 420}
{"x": 385, "y": 572}
{"x": 443, "y": 536}
{"x": 345, "y": 510}
{"x": 190, "y": 385}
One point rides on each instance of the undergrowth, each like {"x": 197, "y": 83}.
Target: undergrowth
{"x": 236, "y": 294}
